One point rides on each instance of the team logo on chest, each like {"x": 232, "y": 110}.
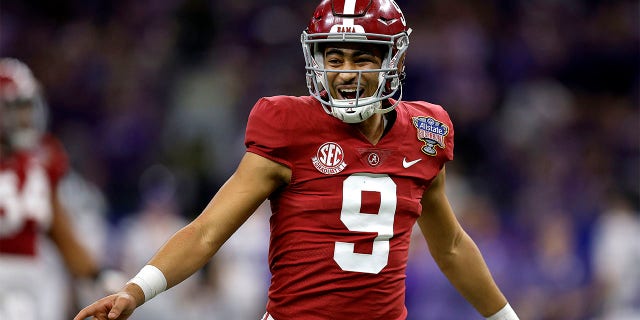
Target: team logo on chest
{"x": 373, "y": 159}
{"x": 373, "y": 156}
{"x": 329, "y": 159}
{"x": 431, "y": 132}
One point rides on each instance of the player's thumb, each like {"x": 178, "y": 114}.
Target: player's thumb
{"x": 115, "y": 312}
{"x": 121, "y": 308}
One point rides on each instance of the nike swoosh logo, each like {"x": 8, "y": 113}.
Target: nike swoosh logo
{"x": 407, "y": 164}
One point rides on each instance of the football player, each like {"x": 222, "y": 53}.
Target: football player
{"x": 349, "y": 170}
{"x": 32, "y": 163}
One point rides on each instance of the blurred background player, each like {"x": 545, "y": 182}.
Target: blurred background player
{"x": 33, "y": 217}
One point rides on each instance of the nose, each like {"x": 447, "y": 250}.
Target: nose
{"x": 348, "y": 77}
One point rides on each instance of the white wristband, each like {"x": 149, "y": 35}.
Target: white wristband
{"x": 506, "y": 313}
{"x": 151, "y": 280}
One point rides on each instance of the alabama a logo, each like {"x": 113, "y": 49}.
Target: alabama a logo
{"x": 432, "y": 133}
{"x": 329, "y": 159}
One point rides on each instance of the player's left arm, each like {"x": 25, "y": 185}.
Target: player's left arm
{"x": 76, "y": 257}
{"x": 455, "y": 252}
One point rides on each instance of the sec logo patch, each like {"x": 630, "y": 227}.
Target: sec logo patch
{"x": 329, "y": 158}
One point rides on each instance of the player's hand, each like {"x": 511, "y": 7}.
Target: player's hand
{"x": 117, "y": 306}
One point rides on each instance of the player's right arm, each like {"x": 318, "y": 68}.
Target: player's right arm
{"x": 190, "y": 248}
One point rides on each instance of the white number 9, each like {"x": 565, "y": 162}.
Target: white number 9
{"x": 354, "y": 220}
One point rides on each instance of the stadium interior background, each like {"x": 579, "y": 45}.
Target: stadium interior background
{"x": 151, "y": 99}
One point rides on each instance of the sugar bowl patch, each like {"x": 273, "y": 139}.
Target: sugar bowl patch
{"x": 432, "y": 132}
{"x": 329, "y": 158}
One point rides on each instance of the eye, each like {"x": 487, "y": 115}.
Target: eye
{"x": 365, "y": 61}
{"x": 334, "y": 61}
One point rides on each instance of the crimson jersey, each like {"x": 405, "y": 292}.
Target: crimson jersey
{"x": 340, "y": 229}
{"x": 27, "y": 183}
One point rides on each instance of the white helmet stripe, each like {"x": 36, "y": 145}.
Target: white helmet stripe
{"x": 349, "y": 8}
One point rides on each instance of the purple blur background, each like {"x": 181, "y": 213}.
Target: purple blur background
{"x": 543, "y": 95}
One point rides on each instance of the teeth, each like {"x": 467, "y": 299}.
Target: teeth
{"x": 351, "y": 93}
{"x": 355, "y": 92}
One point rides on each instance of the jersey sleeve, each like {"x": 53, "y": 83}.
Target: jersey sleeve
{"x": 437, "y": 117}
{"x": 266, "y": 134}
{"x": 449, "y": 141}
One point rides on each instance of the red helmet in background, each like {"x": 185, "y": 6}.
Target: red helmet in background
{"x": 23, "y": 112}
{"x": 379, "y": 22}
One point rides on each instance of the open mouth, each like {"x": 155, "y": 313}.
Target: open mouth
{"x": 350, "y": 93}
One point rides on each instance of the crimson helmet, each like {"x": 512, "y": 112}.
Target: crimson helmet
{"x": 379, "y": 22}
{"x": 23, "y": 112}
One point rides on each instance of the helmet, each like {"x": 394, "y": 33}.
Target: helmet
{"x": 23, "y": 112}
{"x": 379, "y": 22}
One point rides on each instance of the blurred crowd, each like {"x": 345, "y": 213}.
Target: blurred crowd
{"x": 150, "y": 99}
